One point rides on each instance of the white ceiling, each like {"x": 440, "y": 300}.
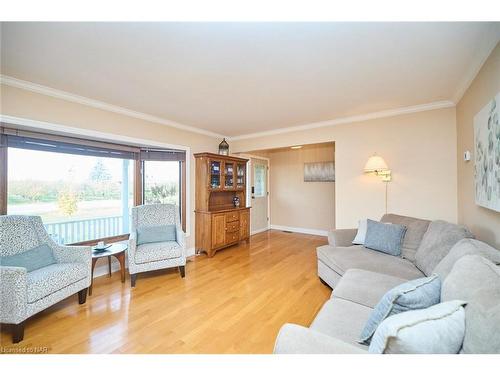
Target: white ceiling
{"x": 241, "y": 78}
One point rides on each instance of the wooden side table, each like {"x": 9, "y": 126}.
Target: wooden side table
{"x": 116, "y": 250}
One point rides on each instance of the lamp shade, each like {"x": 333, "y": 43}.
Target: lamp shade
{"x": 375, "y": 163}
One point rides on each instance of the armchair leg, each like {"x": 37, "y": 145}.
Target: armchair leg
{"x": 18, "y": 332}
{"x": 82, "y": 296}
{"x": 133, "y": 278}
{"x": 182, "y": 270}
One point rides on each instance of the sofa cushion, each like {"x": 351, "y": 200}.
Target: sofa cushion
{"x": 440, "y": 237}
{"x": 365, "y": 287}
{"x": 477, "y": 281}
{"x": 411, "y": 295}
{"x": 342, "y": 319}
{"x": 384, "y": 237}
{"x": 33, "y": 259}
{"x": 340, "y": 259}
{"x": 158, "y": 233}
{"x": 47, "y": 280}
{"x": 438, "y": 329}
{"x": 464, "y": 247}
{"x": 295, "y": 339}
{"x": 154, "y": 252}
{"x": 415, "y": 230}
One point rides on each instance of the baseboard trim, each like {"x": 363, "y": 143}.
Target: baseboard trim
{"x": 316, "y": 232}
{"x": 259, "y": 231}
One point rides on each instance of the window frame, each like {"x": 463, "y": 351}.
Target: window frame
{"x": 138, "y": 184}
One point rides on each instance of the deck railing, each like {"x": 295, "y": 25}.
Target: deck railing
{"x": 83, "y": 230}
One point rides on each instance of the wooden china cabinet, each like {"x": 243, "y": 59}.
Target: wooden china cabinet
{"x": 220, "y": 181}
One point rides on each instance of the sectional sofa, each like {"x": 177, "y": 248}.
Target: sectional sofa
{"x": 360, "y": 277}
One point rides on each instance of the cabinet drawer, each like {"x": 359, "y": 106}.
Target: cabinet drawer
{"x": 232, "y": 216}
{"x": 233, "y": 226}
{"x": 232, "y": 237}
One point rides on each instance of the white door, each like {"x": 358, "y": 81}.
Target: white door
{"x": 259, "y": 216}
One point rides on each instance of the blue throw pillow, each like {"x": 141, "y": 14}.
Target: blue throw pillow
{"x": 160, "y": 233}
{"x": 33, "y": 259}
{"x": 383, "y": 237}
{"x": 411, "y": 295}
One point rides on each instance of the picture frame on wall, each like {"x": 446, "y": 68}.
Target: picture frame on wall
{"x": 319, "y": 172}
{"x": 487, "y": 155}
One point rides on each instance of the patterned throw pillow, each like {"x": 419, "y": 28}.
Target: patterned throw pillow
{"x": 383, "y": 237}
{"x": 411, "y": 295}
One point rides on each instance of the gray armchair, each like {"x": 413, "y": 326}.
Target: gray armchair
{"x": 157, "y": 255}
{"x": 23, "y": 293}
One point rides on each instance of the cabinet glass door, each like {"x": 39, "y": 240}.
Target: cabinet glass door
{"x": 215, "y": 174}
{"x": 240, "y": 175}
{"x": 228, "y": 175}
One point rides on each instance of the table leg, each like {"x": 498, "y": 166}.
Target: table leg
{"x": 109, "y": 266}
{"x": 121, "y": 259}
{"x": 94, "y": 261}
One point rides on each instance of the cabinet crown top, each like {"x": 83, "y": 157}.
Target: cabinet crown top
{"x": 217, "y": 156}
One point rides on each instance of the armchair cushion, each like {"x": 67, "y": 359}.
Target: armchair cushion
{"x": 33, "y": 259}
{"x": 12, "y": 294}
{"x": 47, "y": 280}
{"x": 153, "y": 252}
{"x": 157, "y": 233}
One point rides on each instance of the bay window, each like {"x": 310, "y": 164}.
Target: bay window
{"x": 83, "y": 190}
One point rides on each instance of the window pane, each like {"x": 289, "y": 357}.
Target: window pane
{"x": 79, "y": 198}
{"x": 161, "y": 182}
{"x": 260, "y": 180}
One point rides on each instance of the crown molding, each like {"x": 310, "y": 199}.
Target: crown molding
{"x": 350, "y": 119}
{"x": 484, "y": 51}
{"x": 34, "y": 87}
{"x": 59, "y": 94}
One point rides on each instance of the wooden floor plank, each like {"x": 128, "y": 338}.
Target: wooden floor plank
{"x": 234, "y": 302}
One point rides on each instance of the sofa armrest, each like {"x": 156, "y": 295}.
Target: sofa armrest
{"x": 13, "y": 294}
{"x": 73, "y": 254}
{"x": 295, "y": 339}
{"x": 341, "y": 237}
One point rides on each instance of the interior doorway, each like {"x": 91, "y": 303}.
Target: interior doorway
{"x": 259, "y": 194}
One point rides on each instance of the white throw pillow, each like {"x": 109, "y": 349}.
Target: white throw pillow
{"x": 361, "y": 235}
{"x": 438, "y": 329}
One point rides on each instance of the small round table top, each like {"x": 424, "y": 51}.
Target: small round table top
{"x": 115, "y": 248}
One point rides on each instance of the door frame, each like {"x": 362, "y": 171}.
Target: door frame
{"x": 249, "y": 187}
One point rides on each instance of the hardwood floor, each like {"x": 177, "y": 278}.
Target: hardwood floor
{"x": 234, "y": 302}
